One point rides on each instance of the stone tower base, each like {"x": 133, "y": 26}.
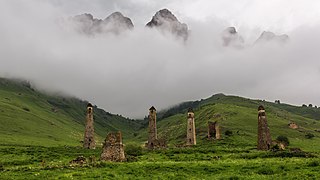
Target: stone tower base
{"x": 113, "y": 148}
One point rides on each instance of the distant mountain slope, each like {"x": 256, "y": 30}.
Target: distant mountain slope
{"x": 313, "y": 113}
{"x": 239, "y": 115}
{"x": 28, "y": 116}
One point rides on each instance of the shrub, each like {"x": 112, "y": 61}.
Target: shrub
{"x": 133, "y": 150}
{"x": 283, "y": 139}
{"x": 309, "y": 136}
{"x": 234, "y": 178}
{"x": 314, "y": 164}
{"x": 26, "y": 109}
{"x": 228, "y": 133}
{"x": 266, "y": 171}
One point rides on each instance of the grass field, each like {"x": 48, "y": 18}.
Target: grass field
{"x": 212, "y": 160}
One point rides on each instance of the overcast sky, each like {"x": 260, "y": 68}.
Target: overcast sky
{"x": 127, "y": 74}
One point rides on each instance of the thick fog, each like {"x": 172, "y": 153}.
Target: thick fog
{"x": 129, "y": 72}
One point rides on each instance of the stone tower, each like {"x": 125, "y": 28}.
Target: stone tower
{"x": 89, "y": 142}
{"x": 264, "y": 137}
{"x": 191, "y": 130}
{"x": 152, "y": 140}
{"x": 214, "y": 130}
{"x": 113, "y": 148}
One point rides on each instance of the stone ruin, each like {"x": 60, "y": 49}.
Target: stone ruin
{"x": 112, "y": 149}
{"x": 153, "y": 141}
{"x": 89, "y": 142}
{"x": 214, "y": 127}
{"x": 264, "y": 137}
{"x": 293, "y": 125}
{"x": 191, "y": 130}
{"x": 214, "y": 130}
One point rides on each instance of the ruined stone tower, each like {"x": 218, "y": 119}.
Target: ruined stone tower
{"x": 113, "y": 148}
{"x": 152, "y": 140}
{"x": 89, "y": 142}
{"x": 264, "y": 137}
{"x": 214, "y": 130}
{"x": 191, "y": 130}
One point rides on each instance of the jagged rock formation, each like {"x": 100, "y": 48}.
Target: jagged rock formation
{"x": 264, "y": 137}
{"x": 191, "y": 129}
{"x": 230, "y": 37}
{"x": 89, "y": 142}
{"x": 114, "y": 23}
{"x": 166, "y": 21}
{"x": 268, "y": 36}
{"x": 113, "y": 148}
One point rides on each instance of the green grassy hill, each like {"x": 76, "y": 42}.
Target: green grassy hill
{"x": 239, "y": 115}
{"x": 29, "y": 117}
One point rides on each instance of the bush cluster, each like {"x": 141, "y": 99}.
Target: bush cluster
{"x": 283, "y": 139}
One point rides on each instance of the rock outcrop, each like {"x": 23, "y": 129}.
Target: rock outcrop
{"x": 167, "y": 22}
{"x": 293, "y": 125}
{"x": 231, "y": 37}
{"x": 114, "y": 23}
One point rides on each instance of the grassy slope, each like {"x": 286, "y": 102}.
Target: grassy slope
{"x": 240, "y": 116}
{"x": 32, "y": 118}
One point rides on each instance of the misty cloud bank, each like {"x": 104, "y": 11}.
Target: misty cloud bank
{"x": 128, "y": 73}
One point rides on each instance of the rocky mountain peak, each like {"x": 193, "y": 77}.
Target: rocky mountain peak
{"x": 167, "y": 21}
{"x": 117, "y": 18}
{"x": 162, "y": 16}
{"x": 231, "y": 30}
{"x": 85, "y": 16}
{"x": 230, "y": 37}
{"x": 267, "y": 36}
{"x": 114, "y": 23}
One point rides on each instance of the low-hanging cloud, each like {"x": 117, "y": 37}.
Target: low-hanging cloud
{"x": 128, "y": 73}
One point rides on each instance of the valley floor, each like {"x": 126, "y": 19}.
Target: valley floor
{"x": 208, "y": 161}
